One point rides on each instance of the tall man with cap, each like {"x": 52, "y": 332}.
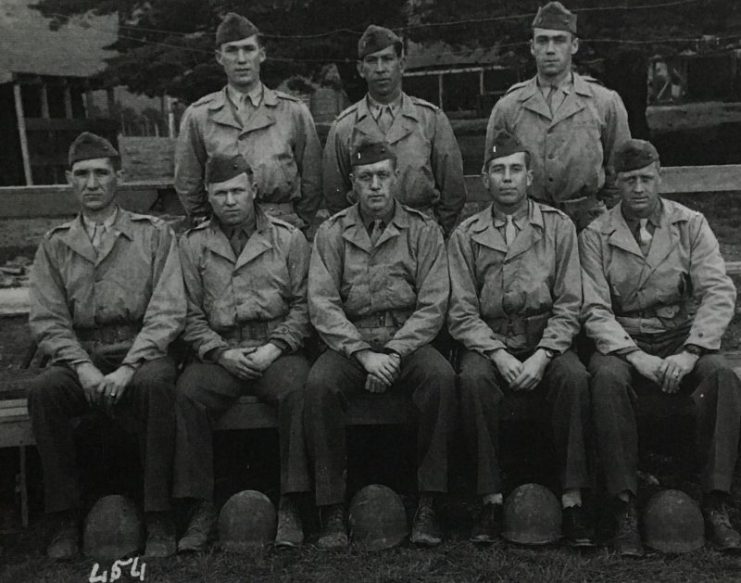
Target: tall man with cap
{"x": 429, "y": 160}
{"x": 245, "y": 280}
{"x": 107, "y": 300}
{"x": 378, "y": 292}
{"x": 657, "y": 301}
{"x": 272, "y": 130}
{"x": 571, "y": 124}
{"x": 515, "y": 303}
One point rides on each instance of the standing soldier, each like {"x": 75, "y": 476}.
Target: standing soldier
{"x": 571, "y": 124}
{"x": 657, "y": 301}
{"x": 515, "y": 302}
{"x": 245, "y": 279}
{"x": 378, "y": 292}
{"x": 429, "y": 161}
{"x": 107, "y": 300}
{"x": 272, "y": 130}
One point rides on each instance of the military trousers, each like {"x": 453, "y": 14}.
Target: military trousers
{"x": 483, "y": 393}
{"x": 425, "y": 376}
{"x": 55, "y": 397}
{"x": 712, "y": 387}
{"x": 205, "y": 391}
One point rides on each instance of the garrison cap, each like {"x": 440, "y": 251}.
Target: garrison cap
{"x": 635, "y": 154}
{"x": 234, "y": 27}
{"x": 88, "y": 146}
{"x": 555, "y": 16}
{"x": 376, "y": 38}
{"x": 505, "y": 144}
{"x": 372, "y": 152}
{"x": 220, "y": 168}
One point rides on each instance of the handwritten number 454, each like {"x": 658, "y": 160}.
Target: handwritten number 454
{"x": 135, "y": 572}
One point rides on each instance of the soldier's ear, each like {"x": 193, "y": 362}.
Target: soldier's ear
{"x": 69, "y": 176}
{"x": 574, "y": 45}
{"x": 359, "y": 68}
{"x": 218, "y": 56}
{"x": 529, "y": 177}
{"x": 485, "y": 178}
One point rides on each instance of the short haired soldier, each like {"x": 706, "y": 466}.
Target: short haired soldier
{"x": 570, "y": 123}
{"x": 274, "y": 132}
{"x": 245, "y": 280}
{"x": 657, "y": 301}
{"x": 515, "y": 304}
{"x": 429, "y": 160}
{"x": 378, "y": 292}
{"x": 107, "y": 300}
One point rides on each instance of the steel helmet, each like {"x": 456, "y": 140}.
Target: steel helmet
{"x": 673, "y": 523}
{"x": 247, "y": 521}
{"x": 532, "y": 516}
{"x": 113, "y": 529}
{"x": 377, "y": 518}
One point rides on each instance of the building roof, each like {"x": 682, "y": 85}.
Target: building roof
{"x": 438, "y": 55}
{"x": 29, "y": 46}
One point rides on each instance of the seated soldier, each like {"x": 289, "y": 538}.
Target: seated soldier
{"x": 515, "y": 301}
{"x": 378, "y": 291}
{"x": 245, "y": 280}
{"x": 106, "y": 302}
{"x": 656, "y": 303}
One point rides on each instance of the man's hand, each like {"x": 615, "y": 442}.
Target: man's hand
{"x": 373, "y": 384}
{"x": 532, "y": 372}
{"x": 235, "y": 361}
{"x": 90, "y": 379}
{"x": 507, "y": 365}
{"x": 675, "y": 368}
{"x": 264, "y": 356}
{"x": 647, "y": 365}
{"x": 384, "y": 366}
{"x": 114, "y": 384}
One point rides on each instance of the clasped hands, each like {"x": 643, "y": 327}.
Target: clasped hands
{"x": 249, "y": 363}
{"x": 519, "y": 375}
{"x": 666, "y": 372}
{"x": 383, "y": 369}
{"x": 105, "y": 390}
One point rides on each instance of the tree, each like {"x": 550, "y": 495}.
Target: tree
{"x": 166, "y": 46}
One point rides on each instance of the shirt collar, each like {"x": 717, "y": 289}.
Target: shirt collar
{"x": 386, "y": 219}
{"x": 376, "y": 108}
{"x": 238, "y": 97}
{"x": 500, "y": 219}
{"x": 107, "y": 224}
{"x": 654, "y": 218}
{"x": 565, "y": 84}
{"x": 247, "y": 229}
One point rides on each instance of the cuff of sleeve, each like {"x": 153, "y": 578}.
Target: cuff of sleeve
{"x": 207, "y": 347}
{"x": 214, "y": 355}
{"x": 284, "y": 346}
{"x": 550, "y": 347}
{"x": 624, "y": 352}
{"x": 398, "y": 348}
{"x": 355, "y": 347}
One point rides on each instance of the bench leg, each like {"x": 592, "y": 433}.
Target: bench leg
{"x": 24, "y": 487}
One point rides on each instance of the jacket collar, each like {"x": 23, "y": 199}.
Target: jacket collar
{"x": 404, "y": 122}
{"x": 221, "y": 111}
{"x": 356, "y": 233}
{"x": 532, "y": 99}
{"x": 485, "y": 233}
{"x": 261, "y": 240}
{"x": 77, "y": 239}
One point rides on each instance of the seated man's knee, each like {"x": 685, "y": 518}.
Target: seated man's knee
{"x": 45, "y": 387}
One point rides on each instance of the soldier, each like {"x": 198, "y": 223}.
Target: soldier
{"x": 272, "y": 130}
{"x": 570, "y": 123}
{"x": 378, "y": 291}
{"x": 657, "y": 301}
{"x": 429, "y": 160}
{"x": 245, "y": 279}
{"x": 107, "y": 300}
{"x": 515, "y": 301}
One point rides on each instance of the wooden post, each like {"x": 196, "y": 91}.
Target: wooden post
{"x": 21, "y": 120}
{"x": 24, "y": 487}
{"x": 440, "y": 90}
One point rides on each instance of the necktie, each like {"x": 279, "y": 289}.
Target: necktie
{"x": 376, "y": 231}
{"x": 644, "y": 236}
{"x": 510, "y": 231}
{"x": 97, "y": 237}
{"x": 385, "y": 119}
{"x": 549, "y": 97}
{"x": 237, "y": 241}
